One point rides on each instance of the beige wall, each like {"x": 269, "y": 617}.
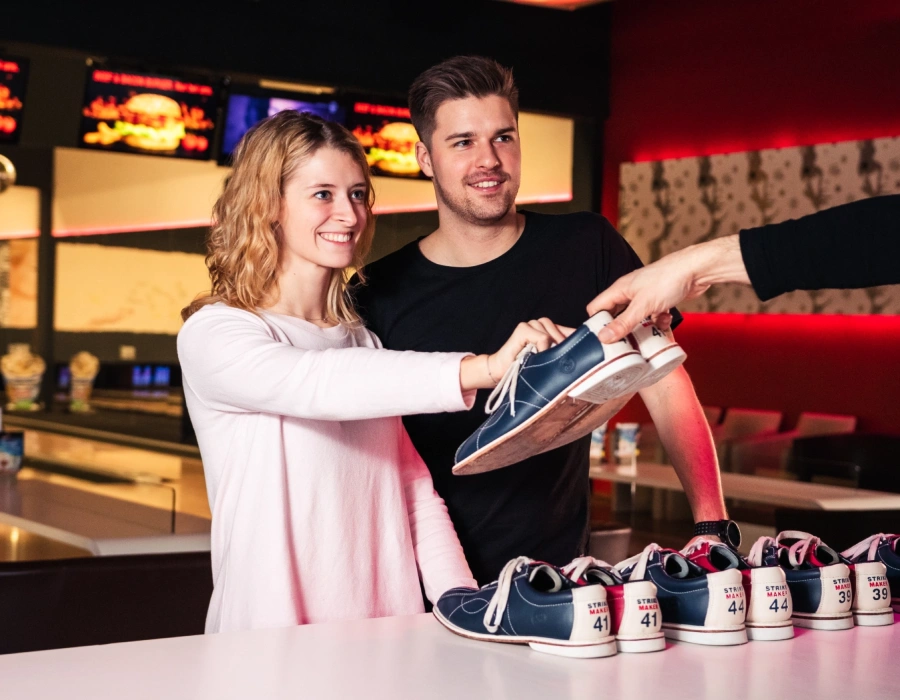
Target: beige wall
{"x": 108, "y": 192}
{"x": 106, "y": 288}
{"x": 20, "y": 212}
{"x": 103, "y": 192}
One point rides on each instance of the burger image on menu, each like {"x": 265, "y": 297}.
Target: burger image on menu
{"x": 147, "y": 122}
{"x": 143, "y": 113}
{"x": 156, "y": 123}
{"x": 389, "y": 139}
{"x": 393, "y": 149}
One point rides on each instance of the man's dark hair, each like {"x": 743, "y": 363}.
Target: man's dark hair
{"x": 455, "y": 79}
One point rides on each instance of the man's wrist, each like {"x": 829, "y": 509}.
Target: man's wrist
{"x": 719, "y": 261}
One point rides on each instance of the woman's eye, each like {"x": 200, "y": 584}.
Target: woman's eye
{"x": 359, "y": 195}
{"x": 323, "y": 194}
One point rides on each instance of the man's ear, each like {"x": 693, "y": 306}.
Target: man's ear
{"x": 423, "y": 157}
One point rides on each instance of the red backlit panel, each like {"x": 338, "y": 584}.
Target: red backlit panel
{"x": 13, "y": 80}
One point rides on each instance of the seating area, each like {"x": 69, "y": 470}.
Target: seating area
{"x": 749, "y": 441}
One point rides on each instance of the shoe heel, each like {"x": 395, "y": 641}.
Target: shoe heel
{"x": 711, "y": 638}
{"x": 641, "y": 646}
{"x": 770, "y": 634}
{"x": 832, "y": 623}
{"x": 667, "y": 361}
{"x": 585, "y": 651}
{"x": 873, "y": 619}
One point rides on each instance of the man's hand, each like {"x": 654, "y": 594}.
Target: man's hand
{"x": 654, "y": 289}
{"x": 649, "y": 291}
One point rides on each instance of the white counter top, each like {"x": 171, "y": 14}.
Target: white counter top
{"x": 760, "y": 489}
{"x": 414, "y": 657}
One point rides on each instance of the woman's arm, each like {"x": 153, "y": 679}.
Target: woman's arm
{"x": 232, "y": 363}
{"x": 439, "y": 556}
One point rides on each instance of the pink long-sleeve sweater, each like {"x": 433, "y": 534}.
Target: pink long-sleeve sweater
{"x": 321, "y": 507}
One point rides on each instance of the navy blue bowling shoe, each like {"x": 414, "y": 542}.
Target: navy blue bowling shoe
{"x": 697, "y": 605}
{"x": 819, "y": 581}
{"x": 878, "y": 549}
{"x": 537, "y": 384}
{"x": 532, "y": 603}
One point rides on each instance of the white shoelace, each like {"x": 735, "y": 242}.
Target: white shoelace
{"x": 797, "y": 552}
{"x": 575, "y": 569}
{"x": 870, "y": 543}
{"x": 687, "y": 551}
{"x": 493, "y": 616}
{"x": 639, "y": 561}
{"x": 755, "y": 558}
{"x": 507, "y": 384}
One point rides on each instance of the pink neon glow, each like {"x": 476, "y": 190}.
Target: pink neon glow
{"x": 129, "y": 228}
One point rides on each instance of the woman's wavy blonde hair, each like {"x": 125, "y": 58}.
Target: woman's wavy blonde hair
{"x": 244, "y": 245}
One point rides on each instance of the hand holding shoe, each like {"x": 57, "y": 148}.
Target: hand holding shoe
{"x": 485, "y": 371}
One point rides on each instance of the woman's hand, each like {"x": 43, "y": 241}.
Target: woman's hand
{"x": 485, "y": 371}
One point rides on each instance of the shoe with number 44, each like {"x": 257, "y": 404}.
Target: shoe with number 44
{"x": 697, "y": 606}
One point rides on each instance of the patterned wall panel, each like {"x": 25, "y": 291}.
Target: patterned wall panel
{"x": 18, "y": 283}
{"x": 670, "y": 204}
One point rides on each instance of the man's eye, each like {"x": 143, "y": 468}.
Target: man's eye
{"x": 463, "y": 143}
{"x": 505, "y": 138}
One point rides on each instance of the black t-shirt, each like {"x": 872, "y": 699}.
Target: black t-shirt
{"x": 539, "y": 507}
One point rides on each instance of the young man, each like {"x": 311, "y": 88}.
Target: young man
{"x": 467, "y": 284}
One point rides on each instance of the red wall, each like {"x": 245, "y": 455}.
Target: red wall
{"x": 693, "y": 77}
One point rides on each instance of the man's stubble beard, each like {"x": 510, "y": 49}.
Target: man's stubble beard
{"x": 464, "y": 209}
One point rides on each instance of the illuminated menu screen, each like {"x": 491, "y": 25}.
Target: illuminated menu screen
{"x": 13, "y": 78}
{"x": 246, "y": 110}
{"x": 388, "y": 136}
{"x": 149, "y": 114}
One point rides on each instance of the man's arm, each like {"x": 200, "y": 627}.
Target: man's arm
{"x": 685, "y": 434}
{"x": 849, "y": 246}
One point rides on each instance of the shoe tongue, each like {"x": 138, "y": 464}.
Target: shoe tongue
{"x": 823, "y": 555}
{"x": 545, "y": 578}
{"x": 712, "y": 557}
{"x": 770, "y": 555}
{"x": 677, "y": 566}
{"x": 894, "y": 541}
{"x": 597, "y": 574}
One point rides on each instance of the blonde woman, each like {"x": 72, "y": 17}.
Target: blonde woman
{"x": 321, "y": 508}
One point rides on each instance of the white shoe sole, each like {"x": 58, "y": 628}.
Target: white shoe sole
{"x": 624, "y": 370}
{"x": 594, "y": 651}
{"x": 707, "y": 637}
{"x": 770, "y": 633}
{"x": 874, "y": 618}
{"x": 557, "y": 647}
{"x": 662, "y": 363}
{"x": 641, "y": 646}
{"x": 841, "y": 621}
{"x": 613, "y": 380}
